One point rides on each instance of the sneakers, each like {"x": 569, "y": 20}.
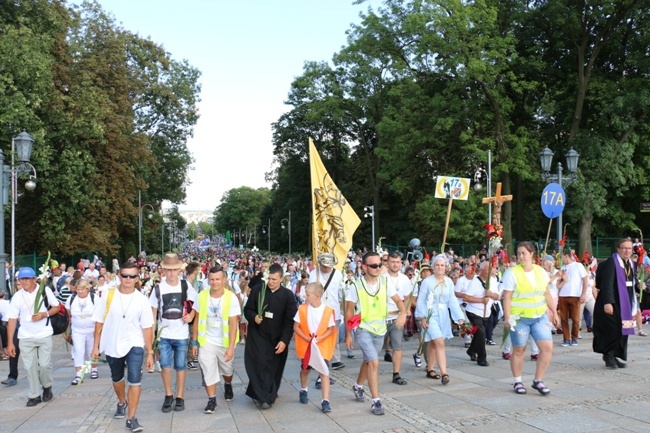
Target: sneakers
{"x": 388, "y": 357}
{"x": 490, "y": 343}
{"x": 228, "y": 395}
{"x": 302, "y": 396}
{"x": 505, "y": 355}
{"x": 574, "y": 342}
{"x": 579, "y": 335}
{"x": 10, "y": 381}
{"x": 358, "y": 393}
{"x": 417, "y": 360}
{"x": 179, "y": 405}
{"x": 519, "y": 388}
{"x": 377, "y": 409}
{"x": 76, "y": 380}
{"x": 318, "y": 385}
{"x": 155, "y": 367}
{"x": 325, "y": 406}
{"x": 33, "y": 401}
{"x": 167, "y": 403}
{"x": 121, "y": 410}
{"x": 566, "y": 343}
{"x": 47, "y": 393}
{"x": 211, "y": 406}
{"x": 134, "y": 425}
{"x": 192, "y": 366}
{"x": 534, "y": 357}
{"x": 337, "y": 365}
{"x": 539, "y": 386}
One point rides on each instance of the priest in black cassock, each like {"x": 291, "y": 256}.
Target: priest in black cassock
{"x": 268, "y": 337}
{"x": 615, "y": 305}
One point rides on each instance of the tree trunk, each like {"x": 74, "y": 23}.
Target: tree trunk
{"x": 584, "y": 234}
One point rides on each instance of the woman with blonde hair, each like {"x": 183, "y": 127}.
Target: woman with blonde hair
{"x": 81, "y": 306}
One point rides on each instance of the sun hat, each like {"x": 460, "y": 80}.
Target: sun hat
{"x": 171, "y": 262}
{"x": 328, "y": 260}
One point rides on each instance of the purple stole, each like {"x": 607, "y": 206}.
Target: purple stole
{"x": 623, "y": 297}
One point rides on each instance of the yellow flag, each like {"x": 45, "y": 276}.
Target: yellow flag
{"x": 334, "y": 220}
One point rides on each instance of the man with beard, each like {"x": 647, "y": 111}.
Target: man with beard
{"x": 270, "y": 328}
{"x": 615, "y": 305}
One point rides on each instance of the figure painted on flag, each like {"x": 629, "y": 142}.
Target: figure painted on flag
{"x": 329, "y": 203}
{"x": 615, "y": 305}
{"x": 270, "y": 310}
{"x": 316, "y": 337}
{"x": 370, "y": 295}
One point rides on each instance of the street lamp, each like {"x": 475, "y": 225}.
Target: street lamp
{"x": 266, "y": 228}
{"x": 488, "y": 177}
{"x": 370, "y": 213}
{"x": 140, "y": 209}
{"x": 21, "y": 148}
{"x": 546, "y": 159}
{"x": 289, "y": 224}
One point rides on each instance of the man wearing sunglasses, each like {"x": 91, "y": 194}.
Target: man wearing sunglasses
{"x": 124, "y": 332}
{"x": 370, "y": 294}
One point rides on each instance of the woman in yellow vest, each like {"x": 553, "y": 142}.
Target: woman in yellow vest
{"x": 525, "y": 300}
{"x": 315, "y": 319}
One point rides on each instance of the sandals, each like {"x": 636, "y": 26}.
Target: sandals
{"x": 94, "y": 374}
{"x": 519, "y": 388}
{"x": 642, "y": 334}
{"x": 399, "y": 381}
{"x": 431, "y": 374}
{"x": 540, "y": 387}
{"x": 445, "y": 379}
{"x": 76, "y": 380}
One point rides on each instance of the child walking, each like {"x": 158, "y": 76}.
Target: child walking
{"x": 315, "y": 320}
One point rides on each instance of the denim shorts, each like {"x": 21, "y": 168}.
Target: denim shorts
{"x": 369, "y": 343}
{"x": 133, "y": 363}
{"x": 175, "y": 350}
{"x": 538, "y": 328}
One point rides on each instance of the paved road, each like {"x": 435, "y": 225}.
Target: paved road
{"x": 585, "y": 397}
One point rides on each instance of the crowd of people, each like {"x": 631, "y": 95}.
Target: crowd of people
{"x": 192, "y": 311}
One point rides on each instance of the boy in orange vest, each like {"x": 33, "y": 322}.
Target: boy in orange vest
{"x": 315, "y": 320}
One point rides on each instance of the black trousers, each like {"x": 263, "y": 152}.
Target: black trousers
{"x": 478, "y": 340}
{"x": 13, "y": 362}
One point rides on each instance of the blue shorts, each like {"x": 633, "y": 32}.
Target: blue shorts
{"x": 538, "y": 328}
{"x": 369, "y": 343}
{"x": 133, "y": 363}
{"x": 173, "y": 351}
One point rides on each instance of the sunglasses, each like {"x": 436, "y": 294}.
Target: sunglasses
{"x": 375, "y": 266}
{"x": 129, "y": 276}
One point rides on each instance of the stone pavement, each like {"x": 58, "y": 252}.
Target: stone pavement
{"x": 585, "y": 397}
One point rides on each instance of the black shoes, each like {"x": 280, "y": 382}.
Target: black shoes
{"x": 179, "y": 405}
{"x": 610, "y": 361}
{"x": 388, "y": 357}
{"x": 33, "y": 401}
{"x": 47, "y": 394}
{"x": 167, "y": 404}
{"x": 228, "y": 395}
{"x": 472, "y": 356}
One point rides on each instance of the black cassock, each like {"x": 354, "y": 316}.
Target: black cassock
{"x": 607, "y": 329}
{"x": 263, "y": 367}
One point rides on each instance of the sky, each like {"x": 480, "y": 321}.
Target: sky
{"x": 249, "y": 52}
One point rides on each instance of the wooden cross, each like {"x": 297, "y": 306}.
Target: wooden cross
{"x": 498, "y": 201}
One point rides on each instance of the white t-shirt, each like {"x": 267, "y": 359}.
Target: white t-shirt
{"x": 171, "y": 325}
{"x": 475, "y": 288}
{"x": 127, "y": 316}
{"x": 22, "y": 308}
{"x": 402, "y": 286}
{"x": 314, "y": 317}
{"x": 4, "y": 309}
{"x": 462, "y": 284}
{"x": 91, "y": 275}
{"x": 214, "y": 332}
{"x": 573, "y": 287}
{"x": 331, "y": 296}
{"x": 81, "y": 311}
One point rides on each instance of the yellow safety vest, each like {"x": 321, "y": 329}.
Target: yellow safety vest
{"x": 529, "y": 301}
{"x": 202, "y": 327}
{"x": 373, "y": 309}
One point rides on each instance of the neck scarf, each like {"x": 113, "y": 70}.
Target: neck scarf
{"x": 623, "y": 297}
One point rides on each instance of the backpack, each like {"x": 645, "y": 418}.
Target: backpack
{"x": 186, "y": 305}
{"x": 60, "y": 321}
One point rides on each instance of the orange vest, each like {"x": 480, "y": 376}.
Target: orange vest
{"x": 326, "y": 346}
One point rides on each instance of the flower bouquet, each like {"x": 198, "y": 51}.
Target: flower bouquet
{"x": 467, "y": 329}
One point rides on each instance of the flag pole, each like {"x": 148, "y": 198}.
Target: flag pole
{"x": 444, "y": 238}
